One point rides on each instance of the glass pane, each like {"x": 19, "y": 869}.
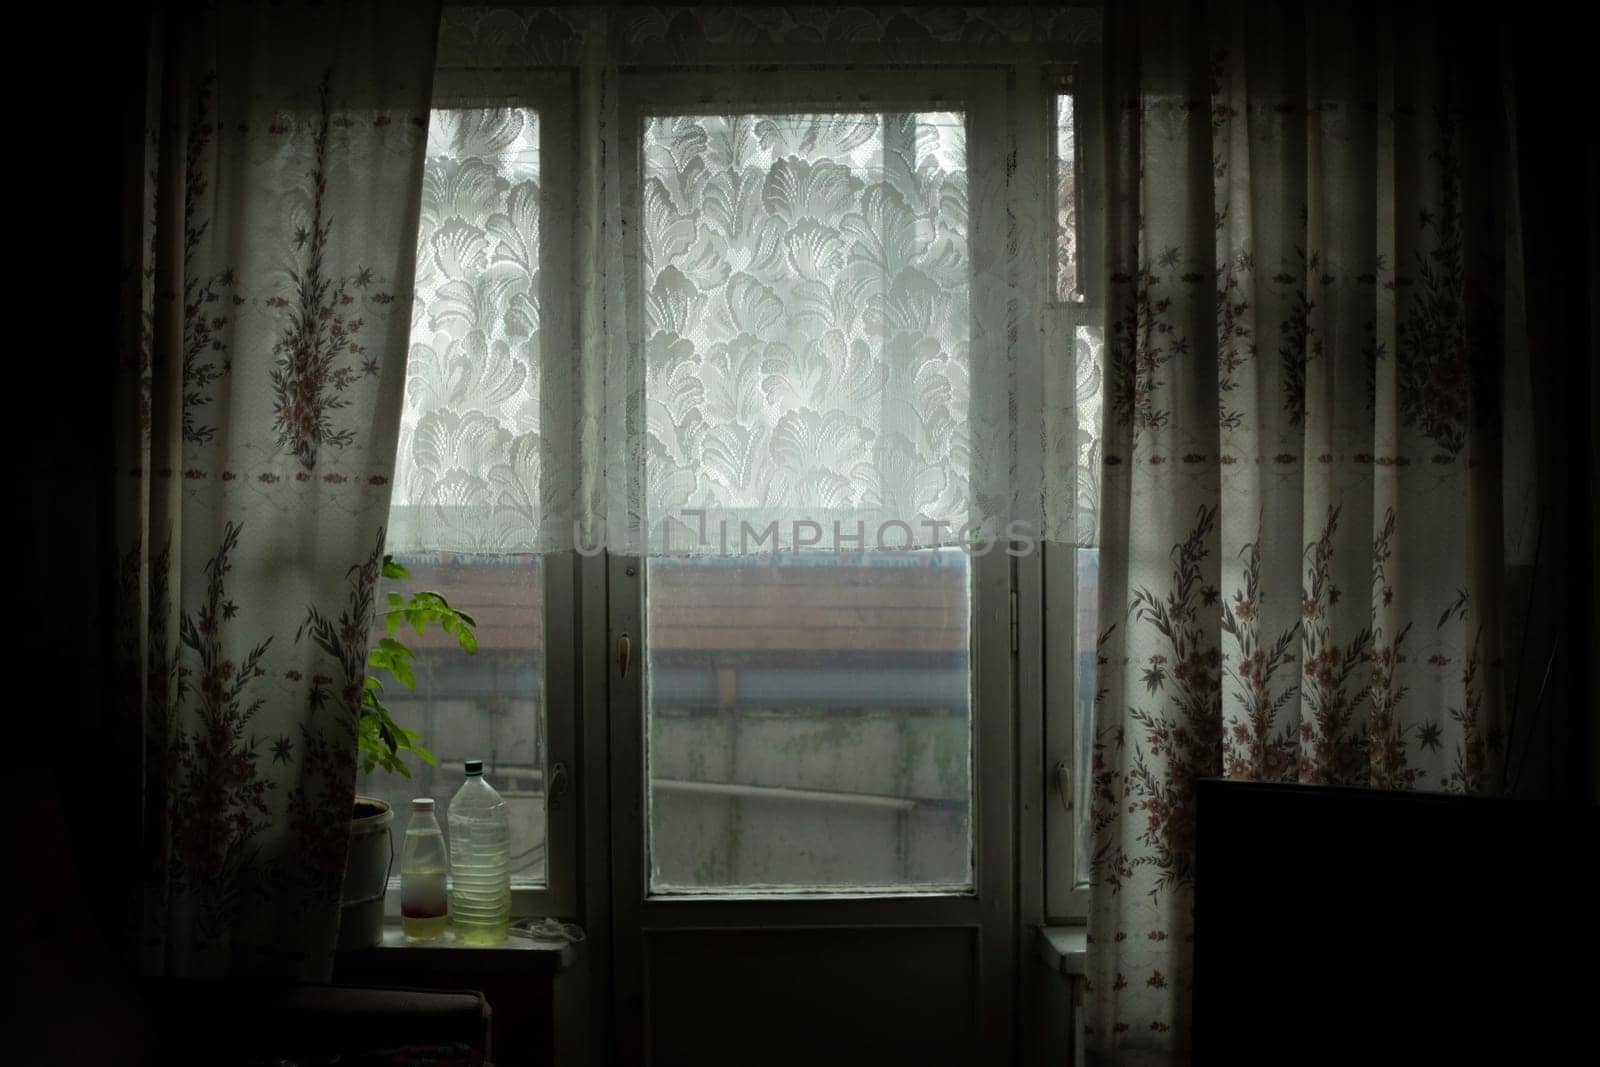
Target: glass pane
{"x": 1068, "y": 289}
{"x": 810, "y": 721}
{"x": 468, "y": 471}
{"x": 1089, "y": 405}
{"x": 1087, "y": 650}
{"x": 488, "y": 705}
{"x": 466, "y": 475}
{"x": 808, "y": 325}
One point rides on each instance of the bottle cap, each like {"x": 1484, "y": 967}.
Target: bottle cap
{"x": 422, "y": 804}
{"x": 474, "y": 766}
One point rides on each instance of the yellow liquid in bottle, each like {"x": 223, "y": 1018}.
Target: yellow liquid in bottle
{"x": 482, "y": 935}
{"x": 428, "y": 929}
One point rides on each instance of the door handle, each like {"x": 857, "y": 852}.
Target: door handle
{"x": 624, "y": 651}
{"x": 558, "y": 785}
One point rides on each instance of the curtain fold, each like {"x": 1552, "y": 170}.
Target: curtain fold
{"x": 266, "y": 308}
{"x": 1303, "y": 531}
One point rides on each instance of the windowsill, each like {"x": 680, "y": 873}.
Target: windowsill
{"x": 1064, "y": 948}
{"x": 515, "y": 953}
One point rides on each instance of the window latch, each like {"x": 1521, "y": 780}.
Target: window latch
{"x": 558, "y": 785}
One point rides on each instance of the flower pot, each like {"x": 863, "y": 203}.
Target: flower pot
{"x": 366, "y": 875}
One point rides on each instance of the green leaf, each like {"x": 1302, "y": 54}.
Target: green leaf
{"x": 381, "y": 741}
{"x": 402, "y": 673}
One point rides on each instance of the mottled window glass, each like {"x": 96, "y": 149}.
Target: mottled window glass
{"x": 810, "y": 722}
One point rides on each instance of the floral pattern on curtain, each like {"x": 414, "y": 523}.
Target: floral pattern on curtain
{"x": 267, "y": 304}
{"x": 1302, "y": 530}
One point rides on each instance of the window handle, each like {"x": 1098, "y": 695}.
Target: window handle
{"x": 1061, "y": 778}
{"x": 558, "y": 785}
{"x": 624, "y": 651}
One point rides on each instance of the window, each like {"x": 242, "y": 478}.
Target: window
{"x": 809, "y": 710}
{"x": 804, "y": 292}
{"x": 467, "y": 477}
{"x": 488, "y": 706}
{"x": 804, "y": 304}
{"x": 810, "y": 722}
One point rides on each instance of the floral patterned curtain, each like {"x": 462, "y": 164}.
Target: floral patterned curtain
{"x": 1306, "y": 518}
{"x": 267, "y": 305}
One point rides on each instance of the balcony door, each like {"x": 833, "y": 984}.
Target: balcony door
{"x": 812, "y": 725}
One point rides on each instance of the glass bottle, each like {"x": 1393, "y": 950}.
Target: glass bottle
{"x": 424, "y": 911}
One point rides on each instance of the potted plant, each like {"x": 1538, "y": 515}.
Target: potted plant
{"x": 382, "y": 742}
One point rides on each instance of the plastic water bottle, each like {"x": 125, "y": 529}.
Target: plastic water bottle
{"x": 480, "y": 861}
{"x": 423, "y": 908}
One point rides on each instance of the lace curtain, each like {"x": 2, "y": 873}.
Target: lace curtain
{"x": 267, "y": 303}
{"x": 1315, "y": 341}
{"x": 734, "y": 325}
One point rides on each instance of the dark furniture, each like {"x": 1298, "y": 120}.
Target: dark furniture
{"x": 239, "y": 1021}
{"x": 517, "y": 977}
{"x": 1355, "y": 925}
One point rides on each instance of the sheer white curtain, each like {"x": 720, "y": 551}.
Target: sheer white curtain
{"x": 794, "y": 301}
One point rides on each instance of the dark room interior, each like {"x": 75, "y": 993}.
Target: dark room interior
{"x": 726, "y": 534}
